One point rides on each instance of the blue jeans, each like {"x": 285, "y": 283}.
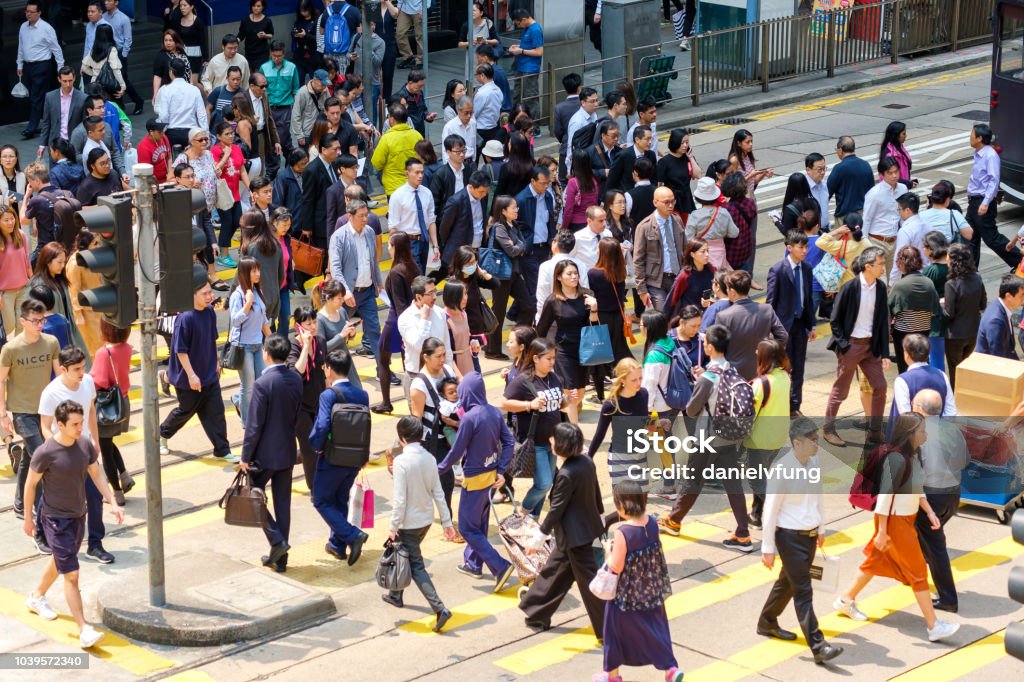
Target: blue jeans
{"x": 27, "y": 426}
{"x": 366, "y": 307}
{"x": 816, "y": 297}
{"x": 331, "y": 488}
{"x": 284, "y": 318}
{"x": 937, "y": 352}
{"x": 252, "y": 367}
{"x": 543, "y": 477}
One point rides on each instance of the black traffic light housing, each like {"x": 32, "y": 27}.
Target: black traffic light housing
{"x": 113, "y": 260}
{"x": 179, "y": 239}
{"x": 1014, "y": 641}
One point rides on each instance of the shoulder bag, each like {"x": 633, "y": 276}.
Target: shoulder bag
{"x": 243, "y": 504}
{"x": 112, "y": 406}
{"x": 106, "y": 78}
{"x": 308, "y": 259}
{"x": 394, "y": 570}
{"x": 487, "y": 317}
{"x": 524, "y": 453}
{"x": 830, "y": 270}
{"x": 494, "y": 260}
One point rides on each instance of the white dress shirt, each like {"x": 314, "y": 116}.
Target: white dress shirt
{"x": 911, "y": 233}
{"x": 466, "y": 132}
{"x": 881, "y": 214}
{"x": 578, "y": 120}
{"x": 792, "y": 501}
{"x": 585, "y": 251}
{"x": 487, "y": 106}
{"x": 546, "y": 279}
{"x": 414, "y": 330}
{"x": 654, "y": 134}
{"x": 478, "y": 220}
{"x": 819, "y": 190}
{"x": 863, "y": 327}
{"x": 37, "y": 43}
{"x": 459, "y": 183}
{"x": 181, "y": 105}
{"x": 363, "y": 262}
{"x": 944, "y": 454}
{"x": 901, "y": 394}
{"x": 257, "y": 107}
{"x": 402, "y": 209}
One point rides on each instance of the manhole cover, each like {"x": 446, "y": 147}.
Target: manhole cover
{"x": 974, "y": 115}
{"x": 896, "y": 106}
{"x": 734, "y": 121}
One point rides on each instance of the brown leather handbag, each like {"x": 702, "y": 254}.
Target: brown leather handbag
{"x": 308, "y": 259}
{"x": 243, "y": 504}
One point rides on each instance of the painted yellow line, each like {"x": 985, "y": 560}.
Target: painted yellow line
{"x": 565, "y": 647}
{"x": 113, "y": 649}
{"x": 959, "y": 663}
{"x": 200, "y": 517}
{"x": 180, "y": 472}
{"x": 891, "y": 600}
{"x": 191, "y": 676}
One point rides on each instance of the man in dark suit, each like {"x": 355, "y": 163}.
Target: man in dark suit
{"x": 789, "y": 294}
{"x": 574, "y": 518}
{"x": 346, "y": 167}
{"x": 564, "y": 110}
{"x": 621, "y": 174}
{"x": 537, "y": 221}
{"x": 995, "y": 334}
{"x": 268, "y": 449}
{"x": 464, "y": 217}
{"x": 264, "y": 135}
{"x": 316, "y": 180}
{"x": 451, "y": 176}
{"x": 604, "y": 151}
{"x": 54, "y": 103}
{"x": 748, "y": 323}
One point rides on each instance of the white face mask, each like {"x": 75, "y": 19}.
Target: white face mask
{"x": 469, "y": 269}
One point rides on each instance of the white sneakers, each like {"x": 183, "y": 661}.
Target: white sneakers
{"x": 942, "y": 630}
{"x": 40, "y": 607}
{"x": 89, "y": 637}
{"x": 164, "y": 450}
{"x": 849, "y": 609}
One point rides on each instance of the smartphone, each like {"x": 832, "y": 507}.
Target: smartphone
{"x": 708, "y": 294}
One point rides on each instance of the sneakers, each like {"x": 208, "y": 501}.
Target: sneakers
{"x": 227, "y": 261}
{"x": 942, "y": 630}
{"x": 41, "y": 545}
{"x": 101, "y": 555}
{"x": 673, "y": 674}
{"x": 850, "y": 610}
{"x": 684, "y": 45}
{"x": 39, "y": 607}
{"x": 230, "y": 457}
{"x": 605, "y": 677}
{"x": 89, "y": 637}
{"x": 164, "y": 450}
{"x": 119, "y": 497}
{"x": 736, "y": 542}
{"x": 466, "y": 570}
{"x": 667, "y": 526}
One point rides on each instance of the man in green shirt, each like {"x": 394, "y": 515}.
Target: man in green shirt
{"x": 282, "y": 82}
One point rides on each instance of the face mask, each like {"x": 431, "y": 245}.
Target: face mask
{"x": 469, "y": 269}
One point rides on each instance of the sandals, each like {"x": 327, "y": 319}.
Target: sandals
{"x": 833, "y": 438}
{"x": 219, "y": 285}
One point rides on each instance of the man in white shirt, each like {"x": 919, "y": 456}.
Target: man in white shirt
{"x": 37, "y": 48}
{"x": 794, "y": 528}
{"x": 216, "y": 71}
{"x": 583, "y": 116}
{"x": 647, "y": 115}
{"x": 463, "y": 125}
{"x": 411, "y": 210}
{"x": 881, "y": 213}
{"x": 912, "y": 232}
{"x": 180, "y": 105}
{"x": 585, "y": 251}
{"x": 945, "y": 456}
{"x": 419, "y": 322}
{"x": 487, "y": 103}
{"x": 918, "y": 377}
{"x": 561, "y": 249}
{"x": 814, "y": 170}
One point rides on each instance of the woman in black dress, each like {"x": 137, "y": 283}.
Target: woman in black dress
{"x": 571, "y": 307}
{"x": 398, "y": 286}
{"x": 608, "y": 281}
{"x": 173, "y": 48}
{"x": 256, "y": 30}
{"x": 304, "y": 53}
{"x": 192, "y": 32}
{"x": 677, "y": 168}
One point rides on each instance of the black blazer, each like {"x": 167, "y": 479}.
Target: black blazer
{"x": 575, "y": 513}
{"x": 270, "y": 427}
{"x": 442, "y": 184}
{"x": 564, "y": 111}
{"x": 456, "y": 225}
{"x": 782, "y": 294}
{"x": 965, "y": 301}
{"x": 528, "y": 213}
{"x": 643, "y": 202}
{"x": 315, "y": 183}
{"x": 844, "y": 316}
{"x": 620, "y": 176}
{"x": 335, "y": 206}
{"x": 601, "y": 161}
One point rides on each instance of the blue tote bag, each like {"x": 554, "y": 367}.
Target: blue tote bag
{"x": 595, "y": 345}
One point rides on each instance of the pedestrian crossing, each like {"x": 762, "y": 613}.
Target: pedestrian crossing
{"x": 961, "y": 662}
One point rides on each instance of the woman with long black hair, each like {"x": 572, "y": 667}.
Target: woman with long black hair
{"x": 307, "y": 358}
{"x": 796, "y": 200}
{"x": 515, "y": 174}
{"x": 111, "y": 365}
{"x": 581, "y": 191}
{"x": 510, "y": 240}
{"x": 677, "y": 168}
{"x": 260, "y": 243}
{"x": 892, "y": 147}
{"x": 104, "y": 51}
{"x": 741, "y": 159}
{"x": 192, "y": 31}
{"x": 398, "y": 287}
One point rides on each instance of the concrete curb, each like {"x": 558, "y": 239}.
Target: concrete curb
{"x": 212, "y": 600}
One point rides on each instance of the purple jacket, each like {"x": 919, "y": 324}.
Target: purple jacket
{"x": 483, "y": 441}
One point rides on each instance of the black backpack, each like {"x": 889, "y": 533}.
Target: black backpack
{"x": 64, "y": 205}
{"x": 585, "y": 137}
{"x": 349, "y": 442}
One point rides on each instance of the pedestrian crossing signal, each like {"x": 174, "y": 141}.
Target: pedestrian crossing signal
{"x": 113, "y": 260}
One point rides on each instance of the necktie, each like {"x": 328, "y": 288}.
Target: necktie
{"x": 799, "y": 280}
{"x": 331, "y": 173}
{"x": 670, "y": 244}
{"x": 419, "y": 215}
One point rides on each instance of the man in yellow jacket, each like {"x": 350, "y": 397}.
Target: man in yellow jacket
{"x": 396, "y": 146}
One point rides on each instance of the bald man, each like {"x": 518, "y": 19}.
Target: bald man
{"x": 945, "y": 457}
{"x": 658, "y": 250}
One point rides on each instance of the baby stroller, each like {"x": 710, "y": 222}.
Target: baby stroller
{"x": 516, "y": 532}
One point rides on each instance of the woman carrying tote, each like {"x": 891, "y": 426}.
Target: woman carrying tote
{"x": 509, "y": 239}
{"x": 111, "y": 365}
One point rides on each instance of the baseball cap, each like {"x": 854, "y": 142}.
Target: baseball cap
{"x": 321, "y": 75}
{"x": 155, "y": 124}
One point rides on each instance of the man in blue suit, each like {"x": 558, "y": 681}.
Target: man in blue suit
{"x": 464, "y": 217}
{"x": 537, "y": 220}
{"x": 995, "y": 333}
{"x": 268, "y": 449}
{"x": 789, "y": 294}
{"x": 332, "y": 484}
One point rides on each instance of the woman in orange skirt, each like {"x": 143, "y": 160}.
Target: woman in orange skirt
{"x": 894, "y": 551}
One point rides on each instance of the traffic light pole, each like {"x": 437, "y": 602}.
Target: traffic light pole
{"x": 145, "y": 184}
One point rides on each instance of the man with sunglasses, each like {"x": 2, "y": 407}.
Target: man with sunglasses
{"x": 26, "y": 364}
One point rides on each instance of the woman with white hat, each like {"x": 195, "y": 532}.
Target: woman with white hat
{"x": 711, "y": 222}
{"x": 492, "y": 158}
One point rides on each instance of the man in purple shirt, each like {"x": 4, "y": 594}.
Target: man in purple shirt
{"x": 981, "y": 199}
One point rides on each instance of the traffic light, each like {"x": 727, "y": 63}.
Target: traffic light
{"x": 1014, "y": 642}
{"x": 175, "y": 207}
{"x": 113, "y": 260}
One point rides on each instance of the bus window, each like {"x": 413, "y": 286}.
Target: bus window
{"x": 1011, "y": 43}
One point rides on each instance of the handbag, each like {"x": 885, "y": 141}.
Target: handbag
{"x": 360, "y": 505}
{"x": 604, "y": 584}
{"x": 494, "y": 260}
{"x": 394, "y": 571}
{"x": 830, "y": 270}
{"x": 627, "y": 326}
{"x": 524, "y": 453}
{"x": 225, "y": 199}
{"x": 112, "y": 407}
{"x": 595, "y": 346}
{"x": 231, "y": 356}
{"x": 308, "y": 259}
{"x": 487, "y": 316}
{"x": 243, "y": 504}
{"x": 825, "y": 570}
{"x": 107, "y": 80}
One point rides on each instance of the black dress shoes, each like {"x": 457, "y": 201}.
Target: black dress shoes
{"x": 356, "y": 548}
{"x": 827, "y": 653}
{"x": 940, "y": 605}
{"x": 777, "y": 633}
{"x": 443, "y": 617}
{"x": 277, "y": 552}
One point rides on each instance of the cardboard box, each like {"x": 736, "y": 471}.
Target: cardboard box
{"x": 989, "y": 386}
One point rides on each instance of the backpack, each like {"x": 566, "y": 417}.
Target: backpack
{"x": 349, "y": 443}
{"x": 868, "y": 480}
{"x": 64, "y": 205}
{"x": 679, "y": 388}
{"x": 733, "y": 417}
{"x": 586, "y": 137}
{"x": 337, "y": 36}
